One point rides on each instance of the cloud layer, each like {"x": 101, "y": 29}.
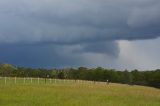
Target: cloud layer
{"x": 76, "y": 26}
{"x": 62, "y": 21}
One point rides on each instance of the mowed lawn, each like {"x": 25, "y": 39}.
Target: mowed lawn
{"x": 70, "y": 93}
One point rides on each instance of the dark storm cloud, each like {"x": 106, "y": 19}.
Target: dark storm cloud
{"x": 86, "y": 26}
{"x": 37, "y": 56}
{"x": 110, "y": 48}
{"x": 62, "y": 21}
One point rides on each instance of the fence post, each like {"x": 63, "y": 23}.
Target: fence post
{"x": 38, "y": 80}
{"x": 94, "y": 82}
{"x": 45, "y": 80}
{"x": 5, "y": 80}
{"x": 24, "y": 80}
{"x": 15, "y": 80}
{"x": 31, "y": 80}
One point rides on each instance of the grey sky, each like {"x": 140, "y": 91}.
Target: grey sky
{"x": 59, "y": 33}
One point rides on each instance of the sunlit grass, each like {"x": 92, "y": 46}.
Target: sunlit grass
{"x": 71, "y": 93}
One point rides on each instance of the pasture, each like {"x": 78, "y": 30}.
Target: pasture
{"x": 54, "y": 92}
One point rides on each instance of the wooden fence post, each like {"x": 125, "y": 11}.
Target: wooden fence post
{"x": 31, "y": 80}
{"x": 38, "y": 80}
{"x": 24, "y": 80}
{"x": 15, "y": 80}
{"x": 5, "y": 80}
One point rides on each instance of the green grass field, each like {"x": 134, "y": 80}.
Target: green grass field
{"x": 31, "y": 92}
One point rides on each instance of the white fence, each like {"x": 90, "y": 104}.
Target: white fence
{"x": 30, "y": 80}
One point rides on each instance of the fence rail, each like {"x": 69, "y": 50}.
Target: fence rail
{"x": 30, "y": 80}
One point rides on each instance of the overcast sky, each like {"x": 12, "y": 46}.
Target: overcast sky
{"x": 119, "y": 34}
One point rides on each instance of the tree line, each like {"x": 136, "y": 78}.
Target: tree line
{"x": 134, "y": 77}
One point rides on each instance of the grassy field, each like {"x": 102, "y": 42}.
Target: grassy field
{"x": 34, "y": 92}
